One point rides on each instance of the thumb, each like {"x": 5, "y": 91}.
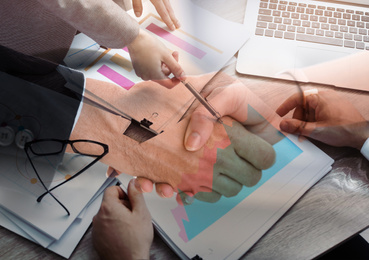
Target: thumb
{"x": 136, "y": 197}
{"x": 198, "y": 129}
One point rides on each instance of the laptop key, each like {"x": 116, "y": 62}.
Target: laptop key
{"x": 329, "y": 34}
{"x": 259, "y": 31}
{"x": 261, "y": 25}
{"x": 319, "y": 32}
{"x": 363, "y": 31}
{"x": 265, "y": 11}
{"x": 265, "y": 18}
{"x": 300, "y": 29}
{"x": 358, "y": 37}
{"x": 348, "y": 36}
{"x": 338, "y": 35}
{"x": 278, "y": 34}
{"x": 272, "y": 26}
{"x": 291, "y": 28}
{"x": 289, "y": 36}
{"x": 353, "y": 30}
{"x": 349, "y": 44}
{"x": 269, "y": 33}
{"x": 310, "y": 31}
{"x": 318, "y": 39}
{"x": 360, "y": 45}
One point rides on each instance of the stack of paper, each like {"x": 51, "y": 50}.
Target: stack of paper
{"x": 46, "y": 222}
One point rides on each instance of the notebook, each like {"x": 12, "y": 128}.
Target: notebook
{"x": 290, "y": 35}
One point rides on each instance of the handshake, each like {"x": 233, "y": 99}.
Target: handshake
{"x": 195, "y": 155}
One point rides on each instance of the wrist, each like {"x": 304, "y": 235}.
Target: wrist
{"x": 136, "y": 43}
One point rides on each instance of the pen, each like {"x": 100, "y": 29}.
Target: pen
{"x": 203, "y": 101}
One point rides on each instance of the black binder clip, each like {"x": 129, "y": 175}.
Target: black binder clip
{"x": 196, "y": 257}
{"x": 140, "y": 131}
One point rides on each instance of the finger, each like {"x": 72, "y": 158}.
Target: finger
{"x": 290, "y": 103}
{"x": 137, "y": 7}
{"x": 165, "y": 69}
{"x": 226, "y": 101}
{"x": 163, "y": 12}
{"x": 174, "y": 67}
{"x": 229, "y": 164}
{"x": 114, "y": 193}
{"x": 295, "y": 126}
{"x": 226, "y": 186}
{"x": 171, "y": 14}
{"x": 198, "y": 129}
{"x": 164, "y": 190}
{"x": 146, "y": 184}
{"x": 185, "y": 198}
{"x": 299, "y": 113}
{"x": 210, "y": 197}
{"x": 251, "y": 147}
{"x": 168, "y": 83}
{"x": 175, "y": 55}
{"x": 136, "y": 197}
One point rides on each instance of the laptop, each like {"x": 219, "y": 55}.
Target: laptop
{"x": 289, "y": 35}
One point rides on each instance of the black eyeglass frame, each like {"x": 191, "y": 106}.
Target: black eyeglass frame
{"x": 28, "y": 146}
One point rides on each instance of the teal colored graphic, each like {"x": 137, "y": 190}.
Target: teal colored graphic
{"x": 201, "y": 214}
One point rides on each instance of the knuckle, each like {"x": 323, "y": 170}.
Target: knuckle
{"x": 234, "y": 191}
{"x": 267, "y": 158}
{"x": 251, "y": 177}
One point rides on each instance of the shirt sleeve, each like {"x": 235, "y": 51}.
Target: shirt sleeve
{"x": 103, "y": 20}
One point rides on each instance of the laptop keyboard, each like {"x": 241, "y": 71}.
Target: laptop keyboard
{"x": 313, "y": 23}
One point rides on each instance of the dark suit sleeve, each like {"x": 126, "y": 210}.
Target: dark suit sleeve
{"x": 36, "y": 94}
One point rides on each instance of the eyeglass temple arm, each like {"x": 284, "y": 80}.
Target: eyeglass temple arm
{"x": 61, "y": 204}
{"x": 71, "y": 178}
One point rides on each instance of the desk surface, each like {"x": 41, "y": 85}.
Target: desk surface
{"x": 329, "y": 213}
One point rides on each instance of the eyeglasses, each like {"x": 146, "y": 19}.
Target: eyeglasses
{"x": 49, "y": 147}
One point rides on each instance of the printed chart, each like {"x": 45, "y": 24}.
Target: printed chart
{"x": 201, "y": 49}
{"x": 195, "y": 218}
{"x": 114, "y": 65}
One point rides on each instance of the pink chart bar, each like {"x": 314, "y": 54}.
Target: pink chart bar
{"x": 176, "y": 41}
{"x": 115, "y": 77}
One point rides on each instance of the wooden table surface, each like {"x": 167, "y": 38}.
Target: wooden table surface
{"x": 333, "y": 210}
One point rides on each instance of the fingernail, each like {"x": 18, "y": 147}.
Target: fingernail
{"x": 188, "y": 199}
{"x": 172, "y": 27}
{"x": 193, "y": 141}
{"x": 164, "y": 196}
{"x": 138, "y": 14}
{"x": 138, "y": 185}
{"x": 182, "y": 76}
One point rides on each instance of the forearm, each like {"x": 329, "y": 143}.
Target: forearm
{"x": 158, "y": 158}
{"x": 104, "y": 21}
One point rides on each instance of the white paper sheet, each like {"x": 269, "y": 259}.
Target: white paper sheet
{"x": 18, "y": 193}
{"x": 70, "y": 239}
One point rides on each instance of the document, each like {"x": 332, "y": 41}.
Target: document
{"x": 205, "y": 43}
{"x": 228, "y": 228}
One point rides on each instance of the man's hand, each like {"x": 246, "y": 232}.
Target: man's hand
{"x": 220, "y": 164}
{"x": 332, "y": 119}
{"x": 122, "y": 228}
